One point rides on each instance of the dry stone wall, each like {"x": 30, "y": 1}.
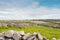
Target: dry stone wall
{"x": 13, "y": 35}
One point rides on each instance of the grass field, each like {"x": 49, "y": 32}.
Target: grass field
{"x": 45, "y": 31}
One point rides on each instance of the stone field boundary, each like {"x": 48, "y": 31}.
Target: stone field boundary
{"x": 13, "y": 35}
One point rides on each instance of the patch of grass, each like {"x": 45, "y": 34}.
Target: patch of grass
{"x": 45, "y": 31}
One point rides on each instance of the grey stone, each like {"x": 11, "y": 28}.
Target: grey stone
{"x": 16, "y": 36}
{"x": 1, "y": 38}
{"x": 22, "y": 33}
{"x": 8, "y": 39}
{"x": 26, "y": 36}
{"x": 33, "y": 36}
{"x": 39, "y": 36}
{"x": 9, "y": 33}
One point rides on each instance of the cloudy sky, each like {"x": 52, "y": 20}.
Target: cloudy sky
{"x": 29, "y": 9}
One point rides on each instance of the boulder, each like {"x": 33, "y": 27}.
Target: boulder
{"x": 33, "y": 36}
{"x": 9, "y": 33}
{"x": 16, "y": 36}
{"x": 39, "y": 36}
{"x": 2, "y": 38}
{"x": 26, "y": 36}
{"x": 22, "y": 33}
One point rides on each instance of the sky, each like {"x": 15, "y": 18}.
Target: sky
{"x": 29, "y": 9}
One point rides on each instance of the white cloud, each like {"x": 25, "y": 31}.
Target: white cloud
{"x": 30, "y": 12}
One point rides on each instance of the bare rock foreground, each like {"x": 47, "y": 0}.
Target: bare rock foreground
{"x": 13, "y": 35}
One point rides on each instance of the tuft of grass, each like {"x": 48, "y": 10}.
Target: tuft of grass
{"x": 45, "y": 31}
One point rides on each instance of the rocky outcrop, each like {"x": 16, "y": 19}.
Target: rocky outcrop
{"x": 13, "y": 35}
{"x": 16, "y": 24}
